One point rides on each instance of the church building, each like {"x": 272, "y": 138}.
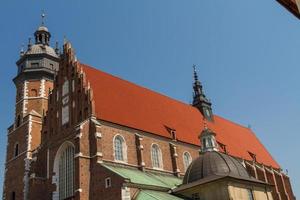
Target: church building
{"x": 82, "y": 134}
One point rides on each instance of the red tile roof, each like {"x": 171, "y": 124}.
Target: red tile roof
{"x": 128, "y": 104}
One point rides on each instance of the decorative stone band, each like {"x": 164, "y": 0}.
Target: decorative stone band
{"x": 173, "y": 149}
{"x": 139, "y": 150}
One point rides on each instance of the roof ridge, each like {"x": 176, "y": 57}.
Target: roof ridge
{"x": 240, "y": 125}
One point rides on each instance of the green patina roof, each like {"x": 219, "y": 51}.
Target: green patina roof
{"x": 145, "y": 178}
{"x": 154, "y": 195}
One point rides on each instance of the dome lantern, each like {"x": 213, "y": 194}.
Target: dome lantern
{"x": 208, "y": 140}
{"x": 42, "y": 35}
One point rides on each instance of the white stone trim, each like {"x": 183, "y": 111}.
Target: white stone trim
{"x": 42, "y": 88}
{"x": 79, "y": 135}
{"x": 29, "y": 98}
{"x": 99, "y": 154}
{"x": 25, "y": 95}
{"x": 98, "y": 135}
{"x": 78, "y": 155}
{"x": 78, "y": 190}
{"x": 32, "y": 175}
{"x": 27, "y": 159}
{"x": 22, "y": 124}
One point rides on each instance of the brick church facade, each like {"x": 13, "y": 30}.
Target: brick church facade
{"x": 80, "y": 133}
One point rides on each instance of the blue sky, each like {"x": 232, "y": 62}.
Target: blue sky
{"x": 247, "y": 53}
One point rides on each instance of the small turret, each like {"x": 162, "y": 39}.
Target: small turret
{"x": 42, "y": 35}
{"x": 208, "y": 140}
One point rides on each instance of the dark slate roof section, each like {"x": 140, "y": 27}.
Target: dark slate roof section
{"x": 214, "y": 164}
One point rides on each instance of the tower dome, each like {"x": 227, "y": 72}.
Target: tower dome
{"x": 40, "y": 59}
{"x": 42, "y": 42}
{"x": 43, "y": 28}
{"x": 212, "y": 164}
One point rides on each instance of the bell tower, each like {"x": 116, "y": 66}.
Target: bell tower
{"x": 37, "y": 67}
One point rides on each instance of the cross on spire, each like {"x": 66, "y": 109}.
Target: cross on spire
{"x": 195, "y": 73}
{"x": 43, "y": 18}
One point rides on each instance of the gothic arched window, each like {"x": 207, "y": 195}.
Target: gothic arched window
{"x": 66, "y": 173}
{"x": 187, "y": 159}
{"x": 156, "y": 156}
{"x": 120, "y": 148}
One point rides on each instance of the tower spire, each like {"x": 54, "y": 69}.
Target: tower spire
{"x": 199, "y": 99}
{"x": 197, "y": 84}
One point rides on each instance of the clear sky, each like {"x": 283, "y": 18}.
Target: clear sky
{"x": 247, "y": 53}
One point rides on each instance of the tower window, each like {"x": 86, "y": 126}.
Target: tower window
{"x": 187, "y": 159}
{"x": 156, "y": 156}
{"x": 16, "y": 150}
{"x": 33, "y": 93}
{"x": 120, "y": 148}
{"x": 13, "y": 196}
{"x": 34, "y": 64}
{"x": 18, "y": 121}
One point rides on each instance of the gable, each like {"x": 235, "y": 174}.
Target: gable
{"x": 127, "y": 104}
